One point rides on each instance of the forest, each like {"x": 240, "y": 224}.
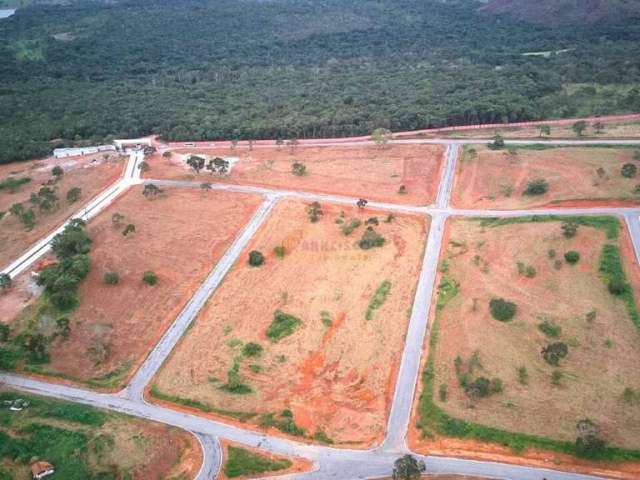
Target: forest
{"x": 86, "y": 71}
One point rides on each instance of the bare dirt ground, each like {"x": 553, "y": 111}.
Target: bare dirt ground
{"x": 627, "y": 129}
{"x": 603, "y": 350}
{"x": 91, "y": 173}
{"x": 179, "y": 235}
{"x": 576, "y": 176}
{"x": 337, "y": 371}
{"x": 299, "y": 465}
{"x": 373, "y": 172}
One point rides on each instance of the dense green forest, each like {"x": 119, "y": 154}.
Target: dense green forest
{"x": 209, "y": 69}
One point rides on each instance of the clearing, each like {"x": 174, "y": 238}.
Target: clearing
{"x": 308, "y": 343}
{"x": 179, "y": 235}
{"x": 92, "y": 174}
{"x": 575, "y": 177}
{"x": 488, "y": 380}
{"x": 83, "y": 442}
{"x": 373, "y": 172}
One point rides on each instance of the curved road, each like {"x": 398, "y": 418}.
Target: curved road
{"x": 329, "y": 463}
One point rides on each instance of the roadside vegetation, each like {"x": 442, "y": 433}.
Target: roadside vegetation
{"x": 241, "y": 462}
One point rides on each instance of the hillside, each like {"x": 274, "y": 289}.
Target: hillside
{"x": 204, "y": 69}
{"x": 567, "y": 12}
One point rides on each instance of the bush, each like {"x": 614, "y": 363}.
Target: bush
{"x": 479, "y": 388}
{"x": 555, "y": 352}
{"x": 150, "y": 278}
{"x": 57, "y": 171}
{"x": 252, "y": 349}
{"x": 569, "y": 229}
{"x": 280, "y": 251}
{"x": 556, "y": 377}
{"x": 588, "y": 443}
{"x": 537, "y": 187}
{"x": 13, "y": 184}
{"x": 550, "y": 329}
{"x": 629, "y": 170}
{"x": 617, "y": 287}
{"x": 73, "y": 195}
{"x": 502, "y": 310}
{"x": 299, "y": 169}
{"x": 348, "y": 227}
{"x": 5, "y": 282}
{"x": 572, "y": 257}
{"x": 315, "y": 212}
{"x": 523, "y": 375}
{"x": 111, "y": 278}
{"x": 256, "y": 258}
{"x": 498, "y": 142}
{"x": 282, "y": 326}
{"x": 371, "y": 239}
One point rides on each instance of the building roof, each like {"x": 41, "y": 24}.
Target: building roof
{"x": 40, "y": 467}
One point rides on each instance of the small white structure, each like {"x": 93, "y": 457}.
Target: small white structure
{"x": 75, "y": 152}
{"x": 41, "y": 469}
{"x": 122, "y": 145}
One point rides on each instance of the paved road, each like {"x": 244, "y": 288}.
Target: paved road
{"x": 161, "y": 351}
{"x": 329, "y": 462}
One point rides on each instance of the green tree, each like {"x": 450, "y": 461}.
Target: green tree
{"x": 569, "y": 229}
{"x": 315, "y": 212}
{"x": 150, "y": 278}
{"x": 408, "y": 467}
{"x": 72, "y": 241}
{"x": 629, "y": 170}
{"x": 73, "y": 195}
{"x": 5, "y": 282}
{"x": 111, "y": 278}
{"x": 538, "y": 186}
{"x": 572, "y": 257}
{"x": 151, "y": 190}
{"x": 196, "y": 163}
{"x": 579, "y": 127}
{"x": 502, "y": 310}
{"x": 554, "y": 352}
{"x": 57, "y": 171}
{"x": 256, "y": 258}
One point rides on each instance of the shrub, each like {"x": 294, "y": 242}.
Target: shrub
{"x": 280, "y": 251}
{"x": 252, "y": 349}
{"x": 556, "y": 377}
{"x": 348, "y": 227}
{"x": 5, "y": 281}
{"x": 538, "y": 186}
{"x": 495, "y": 386}
{"x": 282, "y": 326}
{"x": 371, "y": 239}
{"x": 617, "y": 287}
{"x": 111, "y": 278}
{"x": 479, "y": 388}
{"x": 130, "y": 228}
{"x": 569, "y": 229}
{"x": 149, "y": 278}
{"x": 442, "y": 392}
{"x": 572, "y": 257}
{"x": 557, "y": 264}
{"x": 256, "y": 258}
{"x": 57, "y": 171}
{"x": 550, "y": 329}
{"x": 73, "y": 195}
{"x": 502, "y": 310}
{"x": 589, "y": 444}
{"x": 315, "y": 212}
{"x": 555, "y": 352}
{"x": 299, "y": 169}
{"x": 13, "y": 184}
{"x": 498, "y": 142}
{"x": 551, "y": 253}
{"x": 629, "y": 170}
{"x": 523, "y": 375}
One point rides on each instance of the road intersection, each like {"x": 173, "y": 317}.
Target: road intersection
{"x": 329, "y": 462}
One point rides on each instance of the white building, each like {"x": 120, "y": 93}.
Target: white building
{"x": 75, "y": 152}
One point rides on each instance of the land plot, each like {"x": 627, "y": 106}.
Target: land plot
{"x": 310, "y": 341}
{"x": 83, "y": 442}
{"x": 179, "y": 236}
{"x": 92, "y": 174}
{"x": 407, "y": 174}
{"x": 574, "y": 177}
{"x": 529, "y": 340}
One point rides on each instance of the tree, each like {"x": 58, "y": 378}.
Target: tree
{"x": 298, "y": 169}
{"x": 143, "y": 166}
{"x": 554, "y": 352}
{"x": 629, "y": 170}
{"x": 5, "y": 281}
{"x": 130, "y": 228}
{"x": 111, "y": 278}
{"x": 256, "y": 258}
{"x": 57, "y": 172}
{"x": 45, "y": 199}
{"x": 73, "y": 195}
{"x": 381, "y": 136}
{"x": 28, "y": 219}
{"x": 166, "y": 154}
{"x": 370, "y": 239}
{"x": 218, "y": 165}
{"x": 408, "y": 468}
{"x": 498, "y": 142}
{"x": 315, "y": 212}
{"x": 151, "y": 191}
{"x": 502, "y": 310}
{"x": 150, "y": 278}
{"x": 545, "y": 130}
{"x": 252, "y": 349}
{"x": 196, "y": 163}
{"x": 72, "y": 241}
{"x": 361, "y": 203}
{"x": 539, "y": 186}
{"x": 579, "y": 127}
{"x": 598, "y": 127}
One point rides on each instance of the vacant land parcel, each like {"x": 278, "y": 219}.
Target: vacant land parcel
{"x": 406, "y": 174}
{"x": 148, "y": 257}
{"x": 33, "y": 188}
{"x": 309, "y": 341}
{"x": 535, "y": 341}
{"x": 82, "y": 442}
{"x": 562, "y": 176}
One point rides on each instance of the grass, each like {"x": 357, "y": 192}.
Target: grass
{"x": 242, "y": 462}
{"x": 187, "y": 402}
{"x": 113, "y": 378}
{"x": 610, "y": 225}
{"x": 378, "y": 299}
{"x": 612, "y": 271}
{"x": 282, "y": 326}
{"x": 434, "y": 420}
{"x": 13, "y": 184}
{"x": 283, "y": 422}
